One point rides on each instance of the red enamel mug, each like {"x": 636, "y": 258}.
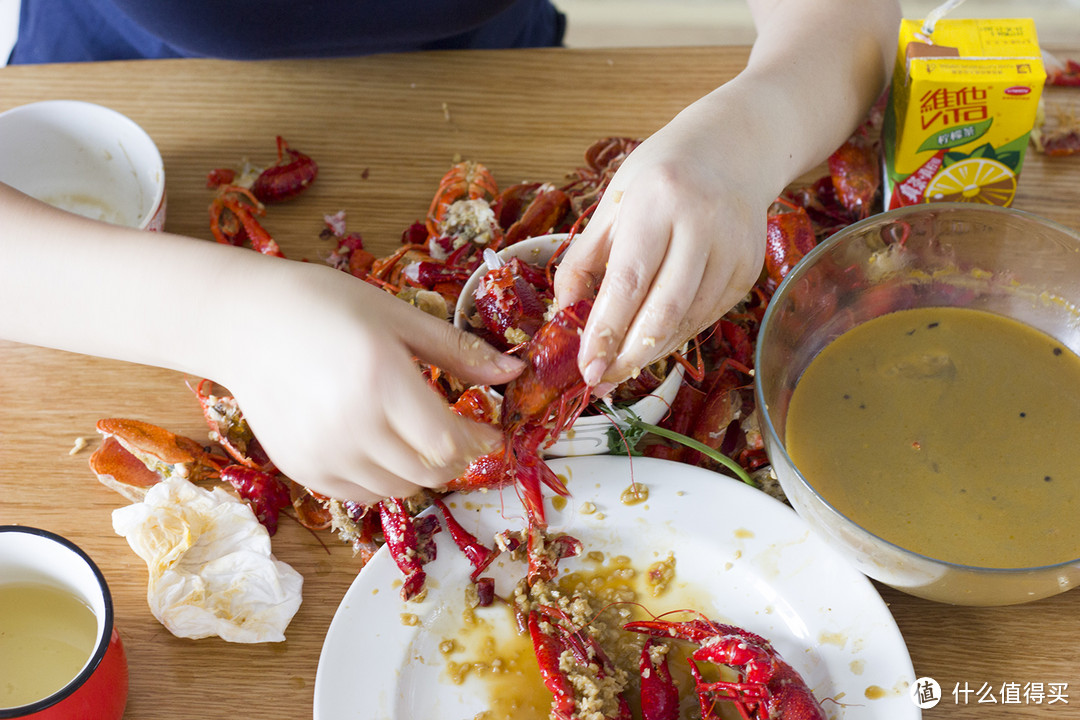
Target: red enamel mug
{"x": 44, "y": 575}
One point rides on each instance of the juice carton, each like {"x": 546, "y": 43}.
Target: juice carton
{"x": 962, "y": 104}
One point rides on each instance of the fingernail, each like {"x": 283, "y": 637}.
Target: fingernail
{"x": 603, "y": 389}
{"x": 593, "y": 372}
{"x": 509, "y": 363}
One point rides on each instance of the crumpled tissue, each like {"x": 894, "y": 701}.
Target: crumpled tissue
{"x": 211, "y": 570}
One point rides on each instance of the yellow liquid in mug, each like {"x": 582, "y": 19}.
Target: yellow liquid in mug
{"x": 950, "y": 432}
{"x": 46, "y": 637}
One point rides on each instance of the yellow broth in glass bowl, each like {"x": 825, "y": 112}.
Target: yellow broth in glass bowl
{"x": 919, "y": 392}
{"x": 928, "y": 426}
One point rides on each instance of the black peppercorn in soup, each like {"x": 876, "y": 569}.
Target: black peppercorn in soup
{"x": 950, "y": 432}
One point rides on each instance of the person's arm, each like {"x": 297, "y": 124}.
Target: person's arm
{"x": 320, "y": 362}
{"x": 678, "y": 238}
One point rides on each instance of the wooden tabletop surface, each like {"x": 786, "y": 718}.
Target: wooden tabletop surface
{"x": 384, "y": 130}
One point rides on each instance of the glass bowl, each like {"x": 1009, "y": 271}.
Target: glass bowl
{"x": 947, "y": 254}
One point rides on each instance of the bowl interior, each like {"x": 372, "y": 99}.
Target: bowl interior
{"x": 84, "y": 158}
{"x": 537, "y": 250}
{"x": 988, "y": 258}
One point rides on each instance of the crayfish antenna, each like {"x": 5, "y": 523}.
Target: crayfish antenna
{"x": 695, "y": 371}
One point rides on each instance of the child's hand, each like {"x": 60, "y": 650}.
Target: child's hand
{"x": 324, "y": 373}
{"x": 677, "y": 240}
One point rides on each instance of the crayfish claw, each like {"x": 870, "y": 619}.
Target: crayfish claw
{"x": 411, "y": 543}
{"x": 119, "y": 470}
{"x": 659, "y": 694}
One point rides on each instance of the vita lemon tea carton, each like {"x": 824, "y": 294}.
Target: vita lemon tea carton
{"x": 963, "y": 101}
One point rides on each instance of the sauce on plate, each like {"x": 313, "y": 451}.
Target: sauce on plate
{"x": 950, "y": 432}
{"x": 506, "y": 663}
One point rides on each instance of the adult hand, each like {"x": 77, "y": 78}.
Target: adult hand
{"x": 332, "y": 391}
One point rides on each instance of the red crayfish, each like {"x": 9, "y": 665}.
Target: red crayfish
{"x": 236, "y": 206}
{"x": 469, "y": 213}
{"x": 135, "y": 455}
{"x": 544, "y": 400}
{"x": 554, "y": 641}
{"x": 464, "y": 181}
{"x": 511, "y": 301}
{"x": 286, "y": 178}
{"x": 1063, "y": 73}
{"x": 768, "y": 687}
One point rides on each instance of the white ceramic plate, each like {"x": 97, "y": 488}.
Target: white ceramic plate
{"x": 753, "y": 560}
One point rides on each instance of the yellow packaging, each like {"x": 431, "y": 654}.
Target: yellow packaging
{"x": 962, "y": 104}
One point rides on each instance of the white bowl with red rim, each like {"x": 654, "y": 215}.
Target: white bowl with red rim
{"x": 85, "y": 158}
{"x": 99, "y": 689}
{"x": 589, "y": 434}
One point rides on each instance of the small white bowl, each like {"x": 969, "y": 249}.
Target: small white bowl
{"x": 537, "y": 250}
{"x": 589, "y": 435}
{"x": 84, "y": 158}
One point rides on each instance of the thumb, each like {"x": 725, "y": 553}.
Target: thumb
{"x": 461, "y": 353}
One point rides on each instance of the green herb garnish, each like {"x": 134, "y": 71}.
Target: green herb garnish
{"x": 624, "y": 440}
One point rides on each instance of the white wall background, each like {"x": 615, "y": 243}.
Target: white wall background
{"x": 608, "y": 23}
{"x": 612, "y": 23}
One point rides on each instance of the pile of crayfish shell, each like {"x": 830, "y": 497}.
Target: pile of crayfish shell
{"x": 468, "y": 215}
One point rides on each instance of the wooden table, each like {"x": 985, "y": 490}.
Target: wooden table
{"x": 384, "y": 130}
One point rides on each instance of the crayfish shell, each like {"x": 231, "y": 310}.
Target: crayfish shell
{"x": 119, "y": 470}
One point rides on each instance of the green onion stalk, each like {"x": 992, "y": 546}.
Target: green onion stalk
{"x": 637, "y": 427}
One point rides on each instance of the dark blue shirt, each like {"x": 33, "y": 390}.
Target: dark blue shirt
{"x": 80, "y": 30}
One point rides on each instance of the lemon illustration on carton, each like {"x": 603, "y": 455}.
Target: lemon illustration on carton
{"x": 982, "y": 178}
{"x": 973, "y": 180}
